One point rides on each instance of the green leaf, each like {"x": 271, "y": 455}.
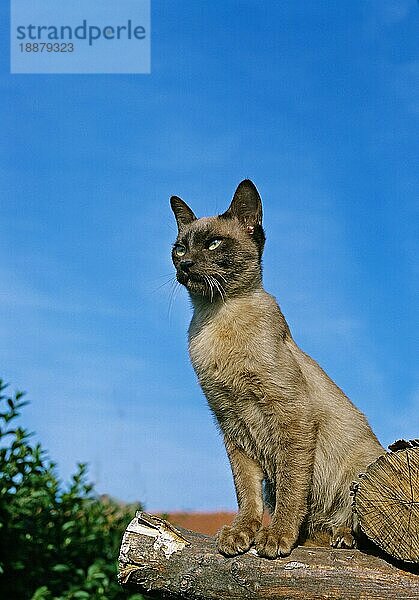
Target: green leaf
{"x": 42, "y": 593}
{"x": 60, "y": 568}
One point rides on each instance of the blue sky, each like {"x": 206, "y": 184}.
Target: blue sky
{"x": 318, "y": 103}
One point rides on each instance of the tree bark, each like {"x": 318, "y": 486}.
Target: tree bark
{"x": 160, "y": 561}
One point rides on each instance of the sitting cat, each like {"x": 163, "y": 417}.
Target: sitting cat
{"x": 287, "y": 427}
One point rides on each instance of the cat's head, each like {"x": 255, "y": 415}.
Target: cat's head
{"x": 220, "y": 257}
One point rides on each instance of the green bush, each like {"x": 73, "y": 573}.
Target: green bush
{"x": 56, "y": 542}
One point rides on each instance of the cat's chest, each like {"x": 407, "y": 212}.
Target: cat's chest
{"x": 219, "y": 348}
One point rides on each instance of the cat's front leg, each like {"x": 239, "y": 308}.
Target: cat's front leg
{"x": 294, "y": 470}
{"x": 239, "y": 536}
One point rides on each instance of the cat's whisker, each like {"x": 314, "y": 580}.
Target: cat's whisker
{"x": 221, "y": 276}
{"x": 175, "y": 288}
{"x": 163, "y": 275}
{"x": 207, "y": 286}
{"x": 219, "y": 288}
{"x": 219, "y": 285}
{"x": 171, "y": 280}
{"x": 210, "y": 285}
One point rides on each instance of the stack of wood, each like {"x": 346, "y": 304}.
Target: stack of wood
{"x": 159, "y": 560}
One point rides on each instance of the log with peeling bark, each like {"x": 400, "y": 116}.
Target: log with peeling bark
{"x": 162, "y": 561}
{"x": 158, "y": 560}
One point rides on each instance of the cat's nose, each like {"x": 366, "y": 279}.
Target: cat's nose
{"x": 186, "y": 264}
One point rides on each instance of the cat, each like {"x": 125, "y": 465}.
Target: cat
{"x": 294, "y": 440}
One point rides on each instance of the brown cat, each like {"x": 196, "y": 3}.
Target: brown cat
{"x": 286, "y": 425}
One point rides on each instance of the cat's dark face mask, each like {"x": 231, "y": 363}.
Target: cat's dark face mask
{"x": 220, "y": 257}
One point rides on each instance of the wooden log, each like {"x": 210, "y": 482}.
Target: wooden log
{"x": 386, "y": 500}
{"x": 160, "y": 561}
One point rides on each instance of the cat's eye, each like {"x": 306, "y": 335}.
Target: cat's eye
{"x": 179, "y": 250}
{"x": 214, "y": 244}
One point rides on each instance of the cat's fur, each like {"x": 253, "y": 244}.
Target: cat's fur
{"x": 286, "y": 425}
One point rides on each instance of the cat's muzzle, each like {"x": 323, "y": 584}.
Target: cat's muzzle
{"x": 193, "y": 282}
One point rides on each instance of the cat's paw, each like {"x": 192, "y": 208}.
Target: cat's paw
{"x": 271, "y": 543}
{"x": 233, "y": 540}
{"x": 342, "y": 537}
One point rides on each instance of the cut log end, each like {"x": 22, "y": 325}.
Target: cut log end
{"x": 386, "y": 501}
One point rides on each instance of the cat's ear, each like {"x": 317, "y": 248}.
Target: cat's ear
{"x": 183, "y": 214}
{"x": 246, "y": 205}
